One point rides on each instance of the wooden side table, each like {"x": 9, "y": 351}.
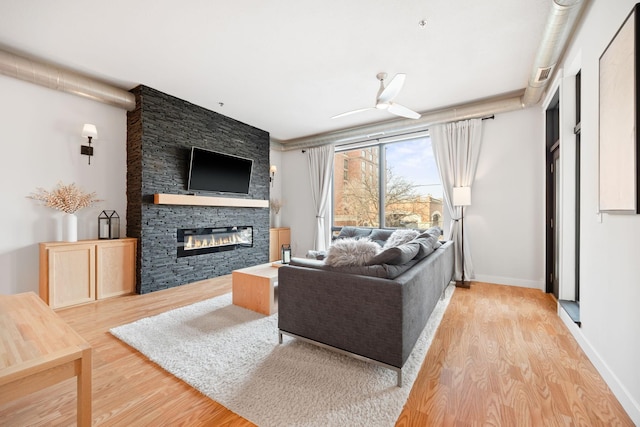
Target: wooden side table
{"x": 38, "y": 349}
{"x": 254, "y": 288}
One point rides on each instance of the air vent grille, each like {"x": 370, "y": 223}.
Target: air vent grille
{"x": 543, "y": 74}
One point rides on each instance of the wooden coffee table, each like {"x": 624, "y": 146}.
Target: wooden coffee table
{"x": 255, "y": 288}
{"x": 38, "y": 349}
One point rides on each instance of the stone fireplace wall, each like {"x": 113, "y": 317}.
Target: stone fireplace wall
{"x": 160, "y": 133}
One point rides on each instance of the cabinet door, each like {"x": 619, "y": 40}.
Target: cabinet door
{"x": 284, "y": 237}
{"x": 71, "y": 275}
{"x": 277, "y": 238}
{"x": 274, "y": 248}
{"x": 115, "y": 268}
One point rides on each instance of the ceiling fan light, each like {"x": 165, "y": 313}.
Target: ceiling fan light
{"x": 382, "y": 105}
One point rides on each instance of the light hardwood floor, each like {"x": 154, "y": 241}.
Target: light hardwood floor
{"x": 501, "y": 356}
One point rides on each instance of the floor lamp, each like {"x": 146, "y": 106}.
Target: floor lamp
{"x": 462, "y": 198}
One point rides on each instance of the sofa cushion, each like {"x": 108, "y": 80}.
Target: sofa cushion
{"x": 351, "y": 252}
{"x": 433, "y": 231}
{"x": 399, "y": 237}
{"x": 380, "y": 235}
{"x": 396, "y": 255}
{"x": 365, "y": 270}
{"x": 394, "y": 271}
{"x": 357, "y": 232}
{"x": 426, "y": 245}
{"x": 316, "y": 254}
{"x": 306, "y": 262}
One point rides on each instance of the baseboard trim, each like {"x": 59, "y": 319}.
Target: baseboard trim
{"x": 619, "y": 390}
{"x": 510, "y": 281}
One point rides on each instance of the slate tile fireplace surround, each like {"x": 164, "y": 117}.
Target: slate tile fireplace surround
{"x": 160, "y": 133}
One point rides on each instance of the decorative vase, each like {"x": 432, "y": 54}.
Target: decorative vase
{"x": 70, "y": 228}
{"x": 276, "y": 220}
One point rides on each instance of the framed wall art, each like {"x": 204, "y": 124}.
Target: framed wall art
{"x": 618, "y": 115}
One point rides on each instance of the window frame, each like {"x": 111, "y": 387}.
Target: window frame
{"x": 367, "y": 155}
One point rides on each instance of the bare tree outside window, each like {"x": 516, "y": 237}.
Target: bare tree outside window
{"x": 412, "y": 192}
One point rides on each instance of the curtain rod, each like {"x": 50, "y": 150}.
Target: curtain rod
{"x": 371, "y": 139}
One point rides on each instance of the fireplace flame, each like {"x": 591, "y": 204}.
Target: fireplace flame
{"x": 210, "y": 241}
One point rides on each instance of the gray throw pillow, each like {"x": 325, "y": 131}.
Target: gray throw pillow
{"x": 426, "y": 245}
{"x": 357, "y": 232}
{"x": 351, "y": 252}
{"x": 380, "y": 236}
{"x": 400, "y": 237}
{"x": 396, "y": 255}
{"x": 433, "y": 231}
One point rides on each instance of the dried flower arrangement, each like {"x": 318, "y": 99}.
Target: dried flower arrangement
{"x": 275, "y": 205}
{"x": 65, "y": 198}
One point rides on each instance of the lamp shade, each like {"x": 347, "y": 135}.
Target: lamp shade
{"x": 273, "y": 169}
{"x": 90, "y": 130}
{"x": 461, "y": 196}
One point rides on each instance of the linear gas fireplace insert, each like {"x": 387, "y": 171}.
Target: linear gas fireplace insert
{"x": 199, "y": 241}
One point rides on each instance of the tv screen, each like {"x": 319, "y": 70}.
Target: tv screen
{"x": 217, "y": 172}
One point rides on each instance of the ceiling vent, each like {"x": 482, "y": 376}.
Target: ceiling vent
{"x": 543, "y": 74}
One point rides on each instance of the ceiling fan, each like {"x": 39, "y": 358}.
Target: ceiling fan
{"x": 384, "y": 98}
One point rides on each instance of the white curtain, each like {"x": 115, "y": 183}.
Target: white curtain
{"x": 456, "y": 147}
{"x": 320, "y": 171}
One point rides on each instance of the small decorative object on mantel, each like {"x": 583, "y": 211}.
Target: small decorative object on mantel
{"x": 286, "y": 254}
{"x": 275, "y": 205}
{"x": 109, "y": 225}
{"x": 68, "y": 199}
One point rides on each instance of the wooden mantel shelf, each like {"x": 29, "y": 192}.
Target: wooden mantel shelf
{"x": 184, "y": 199}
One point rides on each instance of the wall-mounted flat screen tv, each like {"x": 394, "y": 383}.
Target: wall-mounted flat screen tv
{"x": 211, "y": 171}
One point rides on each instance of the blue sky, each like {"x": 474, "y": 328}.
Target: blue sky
{"x": 414, "y": 161}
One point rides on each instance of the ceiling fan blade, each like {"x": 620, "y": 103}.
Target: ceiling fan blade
{"x": 348, "y": 113}
{"x": 400, "y": 110}
{"x": 392, "y": 89}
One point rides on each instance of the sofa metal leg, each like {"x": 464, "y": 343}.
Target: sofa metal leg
{"x": 399, "y": 377}
{"x": 279, "y": 337}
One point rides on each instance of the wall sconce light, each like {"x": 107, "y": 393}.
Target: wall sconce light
{"x": 88, "y": 131}
{"x": 273, "y": 169}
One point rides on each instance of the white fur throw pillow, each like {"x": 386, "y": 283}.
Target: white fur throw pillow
{"x": 399, "y": 237}
{"x": 351, "y": 252}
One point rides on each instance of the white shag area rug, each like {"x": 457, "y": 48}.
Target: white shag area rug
{"x": 232, "y": 355}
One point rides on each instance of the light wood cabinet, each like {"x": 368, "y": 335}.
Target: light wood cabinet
{"x": 79, "y": 272}
{"x": 278, "y": 237}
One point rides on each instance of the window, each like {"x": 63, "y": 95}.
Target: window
{"x": 411, "y": 195}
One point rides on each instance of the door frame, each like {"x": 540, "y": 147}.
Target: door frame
{"x": 552, "y": 148}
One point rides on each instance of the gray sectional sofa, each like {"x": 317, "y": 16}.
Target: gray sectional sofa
{"x": 374, "y": 312}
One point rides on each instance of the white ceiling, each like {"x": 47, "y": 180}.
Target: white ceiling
{"x": 287, "y": 66}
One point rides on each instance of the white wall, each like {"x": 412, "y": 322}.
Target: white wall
{"x": 40, "y": 136}
{"x": 505, "y": 222}
{"x": 275, "y": 192}
{"x": 609, "y": 267}
{"x": 298, "y": 210}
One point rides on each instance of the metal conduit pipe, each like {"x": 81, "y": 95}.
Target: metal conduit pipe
{"x": 53, "y": 77}
{"x": 395, "y": 127}
{"x": 560, "y": 25}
